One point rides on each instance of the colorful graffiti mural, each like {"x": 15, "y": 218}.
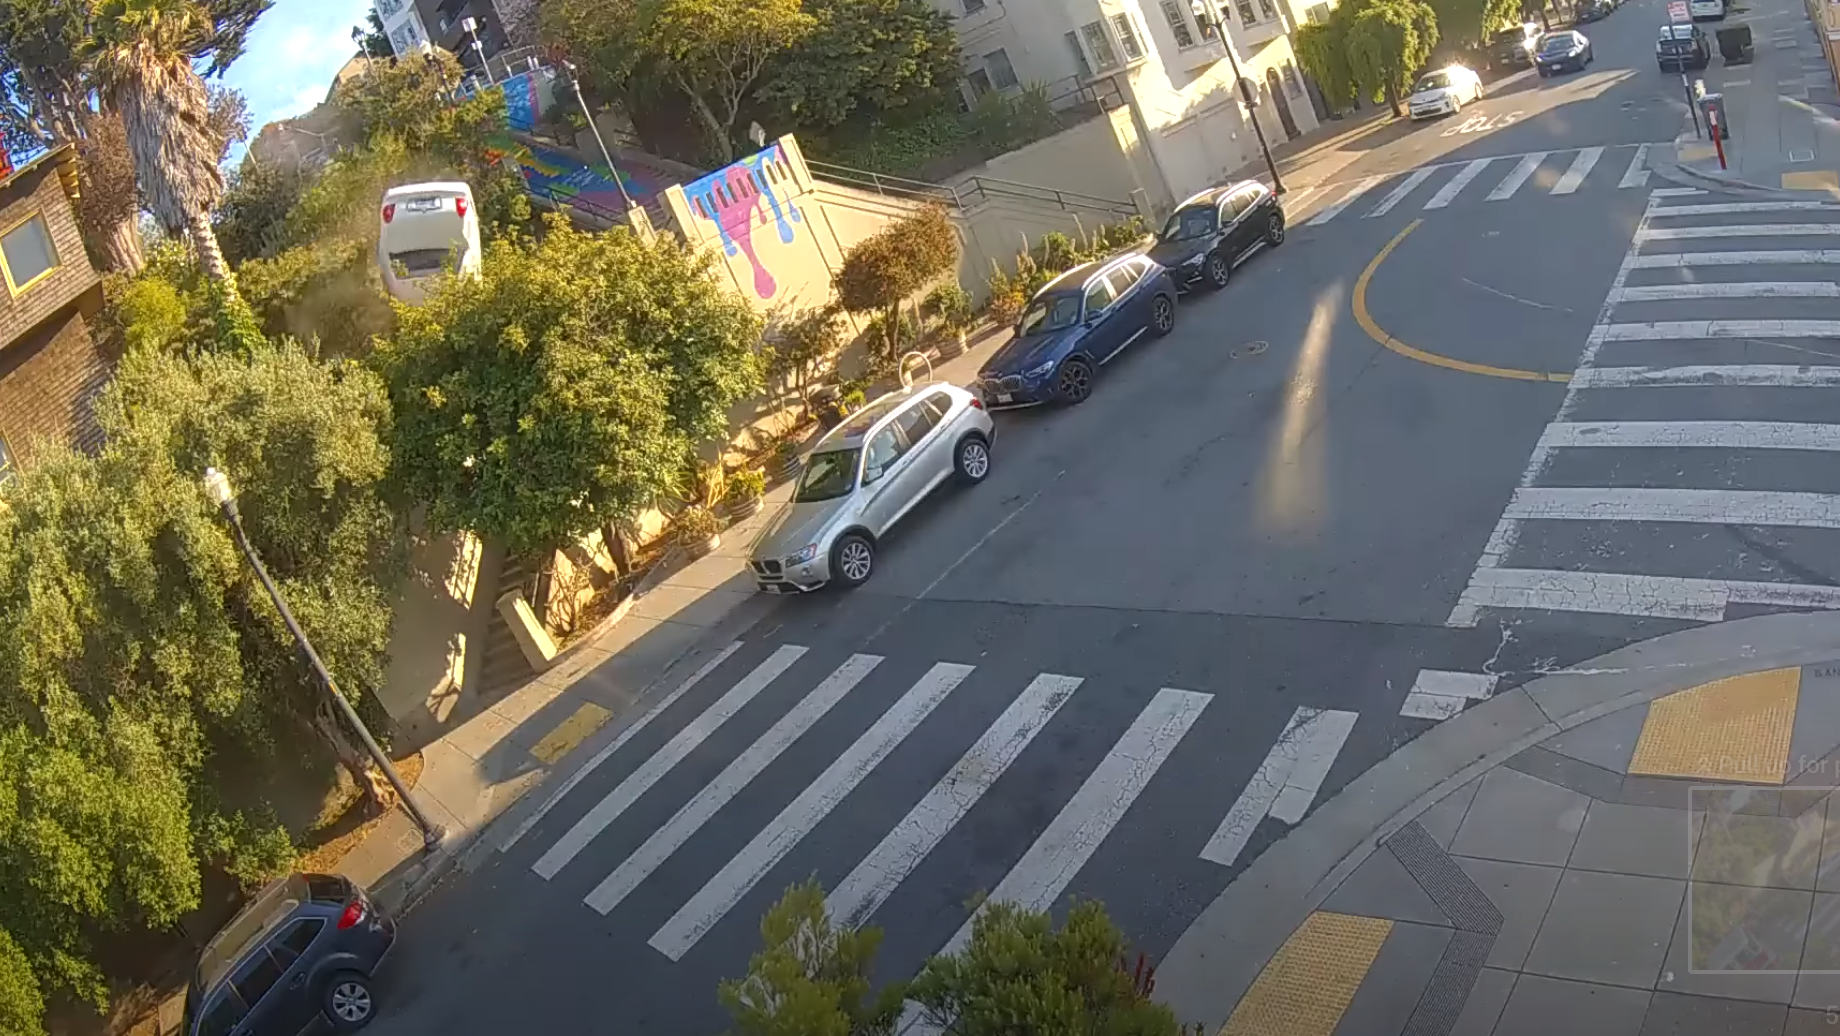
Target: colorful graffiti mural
{"x": 522, "y": 101}
{"x": 741, "y": 196}
{"x": 562, "y": 177}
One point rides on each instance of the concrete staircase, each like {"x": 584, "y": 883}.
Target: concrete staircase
{"x": 503, "y": 667}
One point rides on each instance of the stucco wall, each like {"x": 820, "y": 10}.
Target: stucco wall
{"x": 438, "y": 641}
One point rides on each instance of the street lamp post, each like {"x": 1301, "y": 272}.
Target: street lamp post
{"x": 568, "y": 68}
{"x": 217, "y": 486}
{"x": 471, "y": 25}
{"x": 1245, "y": 93}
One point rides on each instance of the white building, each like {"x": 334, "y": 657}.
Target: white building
{"x": 1167, "y": 59}
{"x": 402, "y": 25}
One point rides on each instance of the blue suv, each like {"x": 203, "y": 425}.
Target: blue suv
{"x": 1073, "y": 326}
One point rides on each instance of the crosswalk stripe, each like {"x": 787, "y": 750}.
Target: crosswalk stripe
{"x": 660, "y": 763}
{"x": 1615, "y": 593}
{"x": 1286, "y": 781}
{"x": 1732, "y": 290}
{"x": 1637, "y": 173}
{"x": 1675, "y": 192}
{"x": 1398, "y": 194}
{"x": 1439, "y": 694}
{"x": 574, "y": 780}
{"x": 1740, "y": 230}
{"x": 1354, "y": 193}
{"x": 1319, "y": 740}
{"x": 873, "y": 880}
{"x": 1791, "y": 256}
{"x": 690, "y": 819}
{"x": 1580, "y": 168}
{"x": 1728, "y": 208}
{"x": 737, "y": 877}
{"x": 1671, "y": 330}
{"x": 1736, "y": 435}
{"x": 1699, "y": 506}
{"x": 1075, "y": 833}
{"x": 1512, "y": 182}
{"x": 1745, "y": 375}
{"x": 1448, "y": 193}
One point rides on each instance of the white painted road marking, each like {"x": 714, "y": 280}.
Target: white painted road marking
{"x": 1729, "y": 290}
{"x": 720, "y": 894}
{"x": 1668, "y": 330}
{"x": 1637, "y": 173}
{"x": 1740, "y": 230}
{"x": 1736, "y": 435}
{"x": 1700, "y": 506}
{"x": 1613, "y": 593}
{"x": 1728, "y": 208}
{"x": 660, "y": 763}
{"x": 1793, "y": 256}
{"x": 1448, "y": 193}
{"x": 1439, "y": 694}
{"x": 1310, "y": 733}
{"x": 1747, "y": 375}
{"x": 1319, "y": 740}
{"x": 690, "y": 819}
{"x": 873, "y": 880}
{"x": 1512, "y": 182}
{"x": 1580, "y": 168}
{"x": 1398, "y": 194}
{"x": 574, "y": 779}
{"x": 1354, "y": 193}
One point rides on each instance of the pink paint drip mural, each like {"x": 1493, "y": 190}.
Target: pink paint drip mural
{"x": 740, "y": 197}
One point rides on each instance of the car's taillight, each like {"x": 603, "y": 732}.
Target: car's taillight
{"x": 460, "y": 207}
{"x": 354, "y": 913}
{"x": 389, "y": 213}
{"x": 976, "y": 403}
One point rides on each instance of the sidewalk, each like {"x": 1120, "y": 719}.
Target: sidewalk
{"x": 597, "y": 687}
{"x": 1643, "y": 844}
{"x": 1782, "y": 106}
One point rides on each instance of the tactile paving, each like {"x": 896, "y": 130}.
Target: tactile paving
{"x": 1450, "y": 985}
{"x": 1736, "y": 729}
{"x": 1307, "y": 985}
{"x": 1451, "y": 889}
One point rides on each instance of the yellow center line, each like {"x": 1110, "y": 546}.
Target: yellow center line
{"x": 1379, "y": 334}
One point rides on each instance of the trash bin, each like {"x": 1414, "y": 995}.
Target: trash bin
{"x": 1735, "y": 43}
{"x": 1712, "y": 108}
{"x": 827, "y": 403}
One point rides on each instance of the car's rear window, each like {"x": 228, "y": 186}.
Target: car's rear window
{"x": 270, "y": 907}
{"x": 327, "y": 888}
{"x": 422, "y": 262}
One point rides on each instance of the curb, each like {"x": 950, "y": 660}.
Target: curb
{"x": 1688, "y": 177}
{"x": 399, "y": 893}
{"x": 1223, "y": 951}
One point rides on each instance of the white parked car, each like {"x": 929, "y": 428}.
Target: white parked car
{"x": 426, "y": 228}
{"x": 1444, "y": 92}
{"x": 1706, "y": 10}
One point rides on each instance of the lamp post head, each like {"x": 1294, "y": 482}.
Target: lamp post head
{"x": 217, "y": 487}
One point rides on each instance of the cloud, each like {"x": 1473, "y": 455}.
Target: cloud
{"x": 292, "y": 54}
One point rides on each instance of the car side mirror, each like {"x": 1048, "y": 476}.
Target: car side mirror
{"x": 871, "y": 476}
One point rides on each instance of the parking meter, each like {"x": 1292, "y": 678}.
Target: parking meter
{"x": 1713, "y": 105}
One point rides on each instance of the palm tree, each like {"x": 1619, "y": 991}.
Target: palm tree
{"x": 141, "y": 53}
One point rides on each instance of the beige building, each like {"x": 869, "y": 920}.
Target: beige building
{"x": 1168, "y": 59}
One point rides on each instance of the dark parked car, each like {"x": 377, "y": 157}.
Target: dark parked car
{"x": 1513, "y": 47}
{"x": 1594, "y": 10}
{"x": 304, "y": 948}
{"x": 1682, "y": 48}
{"x": 1073, "y": 326}
{"x": 1214, "y": 231}
{"x": 1563, "y": 50}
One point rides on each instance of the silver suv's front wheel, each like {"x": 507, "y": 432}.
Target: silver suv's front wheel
{"x": 852, "y": 560}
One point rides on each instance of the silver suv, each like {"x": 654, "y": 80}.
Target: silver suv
{"x": 863, "y": 476}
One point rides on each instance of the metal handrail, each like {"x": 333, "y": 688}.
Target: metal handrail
{"x": 974, "y": 189}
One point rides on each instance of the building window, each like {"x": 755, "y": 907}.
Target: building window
{"x": 27, "y": 254}
{"x": 1099, "y": 43}
{"x": 1318, "y": 15}
{"x": 1265, "y": 8}
{"x": 1178, "y": 23}
{"x": 980, "y": 82}
{"x": 1083, "y": 67}
{"x": 1002, "y": 73}
{"x": 1247, "y": 16}
{"x": 1203, "y": 19}
{"x": 7, "y": 468}
{"x": 972, "y": 6}
{"x": 385, "y": 8}
{"x": 1293, "y": 84}
{"x": 1127, "y": 37}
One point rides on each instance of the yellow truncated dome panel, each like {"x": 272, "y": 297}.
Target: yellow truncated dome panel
{"x": 1735, "y": 729}
{"x": 1307, "y": 985}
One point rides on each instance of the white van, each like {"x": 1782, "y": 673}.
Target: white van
{"x": 1706, "y": 10}
{"x": 426, "y": 227}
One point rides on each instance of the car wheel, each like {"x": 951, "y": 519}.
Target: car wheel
{"x": 852, "y": 560}
{"x": 1162, "y": 315}
{"x": 972, "y": 462}
{"x": 1456, "y": 105}
{"x": 1274, "y": 229}
{"x": 348, "y": 1003}
{"x": 1217, "y": 270}
{"x": 1075, "y": 382}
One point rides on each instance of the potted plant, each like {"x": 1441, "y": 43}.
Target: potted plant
{"x": 745, "y": 490}
{"x": 785, "y": 459}
{"x": 952, "y": 305}
{"x": 698, "y": 530}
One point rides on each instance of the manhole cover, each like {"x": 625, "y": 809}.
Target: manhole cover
{"x": 1249, "y": 349}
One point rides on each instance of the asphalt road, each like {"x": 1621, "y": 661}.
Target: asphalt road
{"x": 1084, "y": 678}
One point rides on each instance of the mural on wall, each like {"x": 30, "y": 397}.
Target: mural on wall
{"x": 559, "y": 176}
{"x": 742, "y": 196}
{"x": 522, "y": 103}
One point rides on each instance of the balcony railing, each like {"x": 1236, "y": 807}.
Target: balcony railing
{"x": 970, "y": 193}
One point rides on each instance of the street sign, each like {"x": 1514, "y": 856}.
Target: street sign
{"x": 1677, "y": 11}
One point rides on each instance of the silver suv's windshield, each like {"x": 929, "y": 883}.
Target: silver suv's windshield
{"x": 1055, "y": 312}
{"x": 828, "y": 475}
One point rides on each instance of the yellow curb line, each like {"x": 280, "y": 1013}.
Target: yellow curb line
{"x": 1378, "y": 334}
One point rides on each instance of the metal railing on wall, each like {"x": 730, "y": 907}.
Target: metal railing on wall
{"x": 971, "y": 192}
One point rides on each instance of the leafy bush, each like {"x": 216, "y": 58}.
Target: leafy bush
{"x": 951, "y": 306}
{"x": 695, "y": 524}
{"x": 811, "y": 977}
{"x": 804, "y": 346}
{"x": 889, "y": 267}
{"x": 747, "y": 484}
{"x": 998, "y": 124}
{"x": 854, "y": 400}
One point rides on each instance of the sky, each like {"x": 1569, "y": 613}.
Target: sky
{"x": 288, "y": 62}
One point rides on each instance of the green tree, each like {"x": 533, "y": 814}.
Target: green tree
{"x": 890, "y": 267}
{"x": 1468, "y": 23}
{"x": 1322, "y": 50}
{"x": 811, "y": 978}
{"x": 22, "y": 1002}
{"x": 1388, "y": 42}
{"x": 712, "y": 52}
{"x": 1021, "y": 976}
{"x": 375, "y": 43}
{"x": 252, "y": 219}
{"x": 566, "y": 388}
{"x": 865, "y": 60}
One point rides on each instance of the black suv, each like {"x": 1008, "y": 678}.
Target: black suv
{"x": 303, "y": 949}
{"x": 1682, "y": 48}
{"x": 1214, "y": 231}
